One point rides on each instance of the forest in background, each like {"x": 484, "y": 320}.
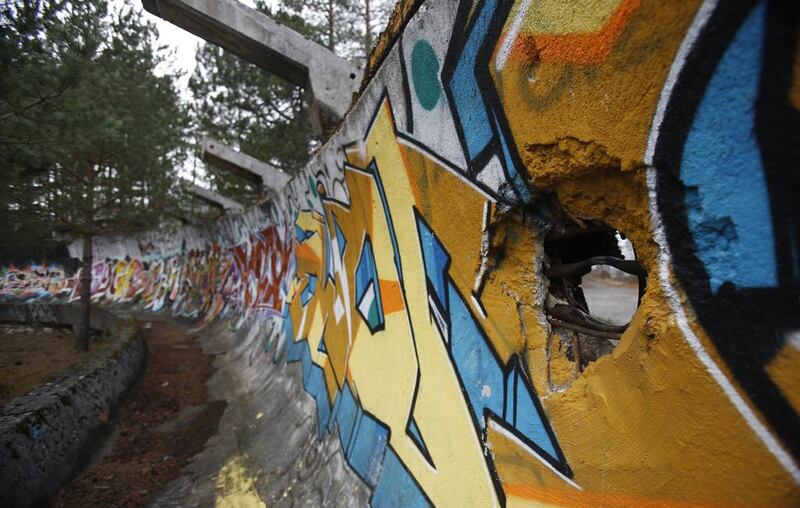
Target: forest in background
{"x": 94, "y": 133}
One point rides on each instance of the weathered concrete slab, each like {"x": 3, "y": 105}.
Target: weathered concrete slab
{"x": 213, "y": 198}
{"x": 267, "y": 449}
{"x": 329, "y": 80}
{"x": 186, "y": 218}
{"x": 225, "y": 157}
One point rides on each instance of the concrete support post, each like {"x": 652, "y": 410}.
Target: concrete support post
{"x": 213, "y": 198}
{"x": 261, "y": 173}
{"x": 329, "y": 80}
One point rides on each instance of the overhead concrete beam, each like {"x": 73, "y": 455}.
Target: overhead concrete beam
{"x": 213, "y": 198}
{"x": 186, "y": 218}
{"x": 224, "y": 157}
{"x": 329, "y": 80}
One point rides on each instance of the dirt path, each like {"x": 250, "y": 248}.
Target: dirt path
{"x": 166, "y": 422}
{"x": 34, "y": 355}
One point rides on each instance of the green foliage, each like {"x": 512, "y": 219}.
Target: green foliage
{"x": 91, "y": 134}
{"x": 347, "y": 27}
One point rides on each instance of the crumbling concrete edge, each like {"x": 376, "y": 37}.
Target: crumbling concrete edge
{"x": 45, "y": 433}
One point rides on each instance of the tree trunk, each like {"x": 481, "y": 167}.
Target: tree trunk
{"x": 368, "y": 35}
{"x": 330, "y": 25}
{"x": 82, "y": 338}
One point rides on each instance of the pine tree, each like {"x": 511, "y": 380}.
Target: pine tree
{"x": 34, "y": 75}
{"x": 97, "y": 145}
{"x": 346, "y": 27}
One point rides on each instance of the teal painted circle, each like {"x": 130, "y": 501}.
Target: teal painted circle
{"x": 425, "y": 73}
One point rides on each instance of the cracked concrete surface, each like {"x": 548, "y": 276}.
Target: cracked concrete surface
{"x": 266, "y": 451}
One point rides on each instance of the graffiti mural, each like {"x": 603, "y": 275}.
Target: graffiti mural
{"x": 424, "y": 270}
{"x": 34, "y": 281}
{"x": 750, "y": 314}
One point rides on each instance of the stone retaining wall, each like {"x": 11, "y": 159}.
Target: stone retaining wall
{"x": 44, "y": 432}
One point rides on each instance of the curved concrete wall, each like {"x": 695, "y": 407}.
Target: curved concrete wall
{"x": 406, "y": 267}
{"x": 44, "y": 432}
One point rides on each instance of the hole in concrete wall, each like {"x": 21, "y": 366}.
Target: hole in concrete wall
{"x": 596, "y": 285}
{"x": 612, "y": 295}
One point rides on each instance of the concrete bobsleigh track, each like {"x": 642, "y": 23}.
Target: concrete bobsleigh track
{"x": 421, "y": 281}
{"x": 264, "y": 447}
